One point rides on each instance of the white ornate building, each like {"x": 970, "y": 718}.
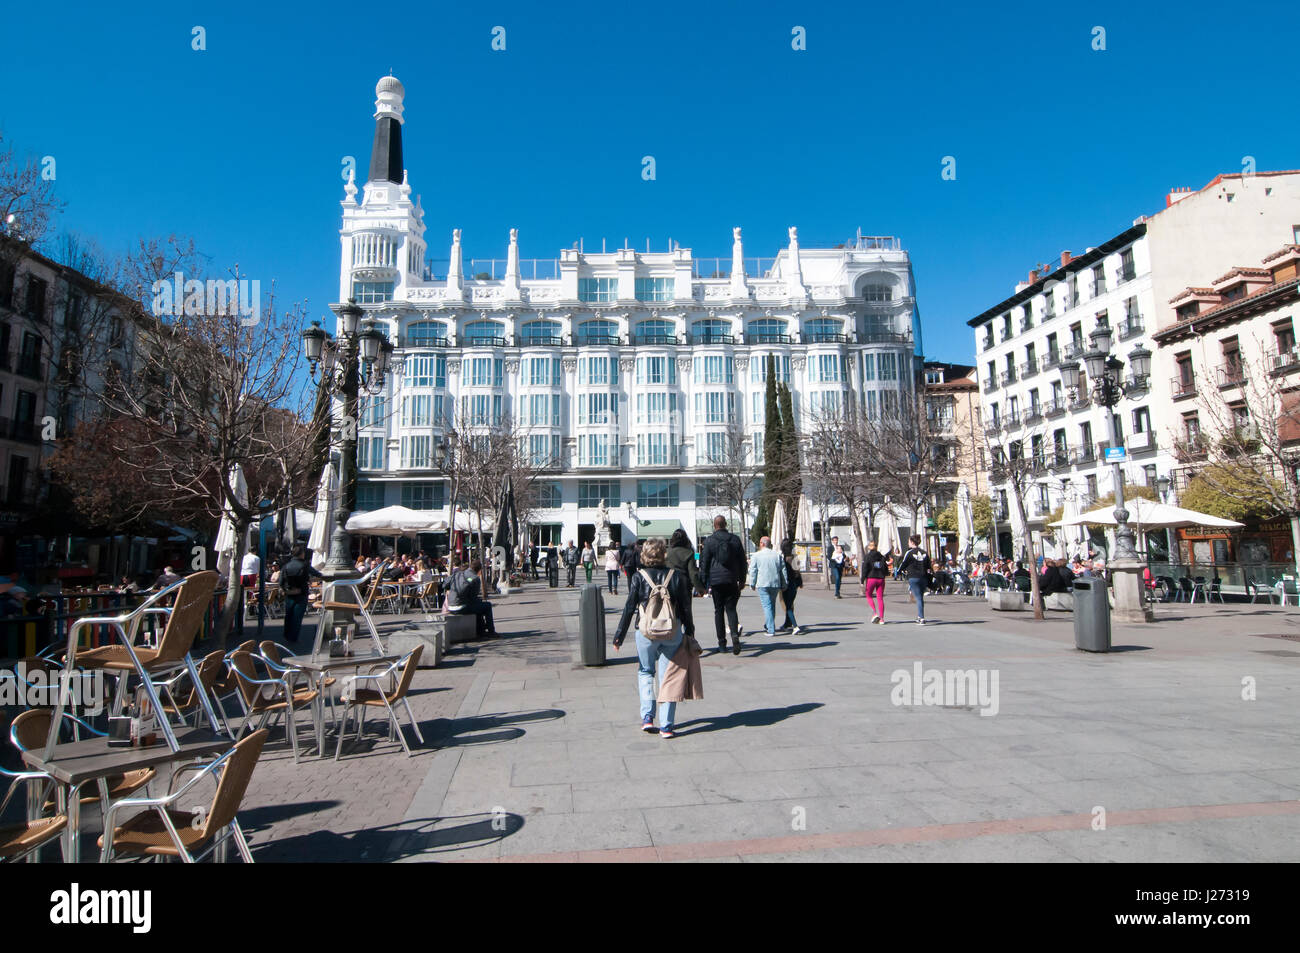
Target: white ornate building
{"x": 624, "y": 368}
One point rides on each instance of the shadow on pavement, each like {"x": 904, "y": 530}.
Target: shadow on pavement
{"x": 773, "y": 644}
{"x": 258, "y": 818}
{"x": 394, "y": 841}
{"x": 484, "y": 729}
{"x": 756, "y": 718}
{"x": 1130, "y": 648}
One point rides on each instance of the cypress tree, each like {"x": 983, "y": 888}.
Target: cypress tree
{"x": 792, "y": 483}
{"x": 773, "y": 454}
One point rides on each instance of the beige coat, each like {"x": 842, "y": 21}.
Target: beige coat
{"x": 684, "y": 677}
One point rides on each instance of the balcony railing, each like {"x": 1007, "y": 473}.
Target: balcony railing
{"x": 1059, "y": 458}
{"x": 1028, "y": 368}
{"x": 1008, "y": 378}
{"x": 1083, "y": 455}
{"x": 421, "y": 340}
{"x": 596, "y": 340}
{"x": 483, "y": 341}
{"x": 1280, "y": 361}
{"x": 1039, "y": 508}
{"x": 1231, "y": 375}
{"x": 988, "y": 341}
{"x": 540, "y": 340}
{"x": 1098, "y": 288}
{"x": 768, "y": 338}
{"x": 1073, "y": 351}
{"x": 1053, "y": 408}
{"x": 1027, "y": 324}
{"x": 1011, "y": 421}
{"x": 1080, "y": 400}
{"x": 713, "y": 339}
{"x": 993, "y": 427}
{"x": 653, "y": 339}
{"x": 1032, "y": 415}
{"x": 1190, "y": 449}
{"x": 990, "y": 385}
{"x": 825, "y": 338}
{"x": 1180, "y": 388}
{"x": 880, "y": 337}
{"x": 1050, "y": 359}
{"x": 1131, "y": 328}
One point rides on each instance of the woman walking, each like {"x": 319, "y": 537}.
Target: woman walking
{"x": 794, "y": 580}
{"x": 611, "y": 570}
{"x": 874, "y": 570}
{"x": 654, "y": 654}
{"x": 681, "y": 556}
{"x": 588, "y": 560}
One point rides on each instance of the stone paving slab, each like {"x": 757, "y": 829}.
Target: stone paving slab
{"x": 530, "y": 756}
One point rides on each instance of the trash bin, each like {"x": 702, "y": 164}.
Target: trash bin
{"x": 552, "y": 573}
{"x": 591, "y": 624}
{"x": 1091, "y": 615}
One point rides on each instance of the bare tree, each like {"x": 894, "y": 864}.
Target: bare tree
{"x": 910, "y": 452}
{"x": 735, "y": 474}
{"x": 28, "y": 206}
{"x": 1017, "y": 462}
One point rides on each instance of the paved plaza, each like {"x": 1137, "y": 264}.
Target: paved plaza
{"x": 798, "y": 751}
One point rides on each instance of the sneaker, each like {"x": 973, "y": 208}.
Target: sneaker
{"x": 880, "y": 620}
{"x": 648, "y": 725}
{"x": 667, "y": 733}
{"x": 920, "y": 622}
{"x": 796, "y": 631}
{"x": 875, "y": 619}
{"x": 735, "y": 645}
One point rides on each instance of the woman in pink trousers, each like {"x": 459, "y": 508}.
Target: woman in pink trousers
{"x": 874, "y": 570}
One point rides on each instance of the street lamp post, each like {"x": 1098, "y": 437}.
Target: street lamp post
{"x": 356, "y": 359}
{"x": 1104, "y": 372}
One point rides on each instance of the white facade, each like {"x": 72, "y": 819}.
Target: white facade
{"x": 625, "y": 367}
{"x": 1020, "y": 345}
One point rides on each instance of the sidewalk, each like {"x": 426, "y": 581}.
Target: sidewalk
{"x": 798, "y": 751}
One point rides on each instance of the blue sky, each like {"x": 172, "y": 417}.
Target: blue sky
{"x": 1057, "y": 146}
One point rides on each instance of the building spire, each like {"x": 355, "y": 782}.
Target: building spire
{"x": 386, "y": 154}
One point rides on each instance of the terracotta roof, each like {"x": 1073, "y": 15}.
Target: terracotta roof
{"x": 1224, "y": 310}
{"x": 1243, "y": 272}
{"x": 1283, "y": 252}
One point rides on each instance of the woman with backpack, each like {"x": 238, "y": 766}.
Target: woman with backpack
{"x": 660, "y": 598}
{"x": 681, "y": 556}
{"x": 794, "y": 581}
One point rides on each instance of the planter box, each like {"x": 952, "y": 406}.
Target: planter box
{"x": 1005, "y": 600}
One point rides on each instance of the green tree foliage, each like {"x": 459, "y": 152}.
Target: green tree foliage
{"x": 981, "y": 509}
{"x": 1231, "y": 492}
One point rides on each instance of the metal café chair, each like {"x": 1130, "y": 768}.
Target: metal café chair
{"x": 1200, "y": 587}
{"x": 24, "y": 839}
{"x": 354, "y": 696}
{"x": 361, "y": 607}
{"x": 170, "y": 655}
{"x": 267, "y": 698}
{"x": 161, "y": 830}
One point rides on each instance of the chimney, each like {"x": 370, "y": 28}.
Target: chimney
{"x": 1177, "y": 195}
{"x": 1065, "y": 258}
{"x": 1033, "y": 276}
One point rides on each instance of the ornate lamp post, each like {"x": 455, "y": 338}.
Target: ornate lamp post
{"x": 354, "y": 360}
{"x": 1104, "y": 372}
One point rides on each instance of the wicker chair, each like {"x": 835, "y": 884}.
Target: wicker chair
{"x": 363, "y": 698}
{"x": 211, "y": 670}
{"x": 163, "y": 831}
{"x": 27, "y": 837}
{"x": 265, "y": 698}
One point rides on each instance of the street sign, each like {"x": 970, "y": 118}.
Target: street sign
{"x": 1116, "y": 455}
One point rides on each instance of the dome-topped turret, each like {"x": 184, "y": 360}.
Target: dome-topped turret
{"x": 389, "y": 93}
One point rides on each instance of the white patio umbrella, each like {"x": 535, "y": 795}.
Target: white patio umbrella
{"x": 322, "y": 523}
{"x": 1019, "y": 533}
{"x": 965, "y": 521}
{"x": 468, "y": 522}
{"x": 803, "y": 521}
{"x": 226, "y": 539}
{"x": 779, "y": 524}
{"x": 1073, "y": 536}
{"x": 1148, "y": 514}
{"x": 887, "y": 529}
{"x": 395, "y": 521}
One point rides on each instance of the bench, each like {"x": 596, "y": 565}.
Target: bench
{"x": 432, "y": 636}
{"x": 1061, "y": 601}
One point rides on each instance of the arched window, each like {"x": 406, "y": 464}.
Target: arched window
{"x": 877, "y": 291}
{"x": 822, "y": 329}
{"x": 598, "y": 332}
{"x": 426, "y": 334}
{"x": 540, "y": 332}
{"x": 766, "y": 331}
{"x": 485, "y": 332}
{"x": 712, "y": 331}
{"x": 655, "y": 331}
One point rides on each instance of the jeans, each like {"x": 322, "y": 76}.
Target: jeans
{"x": 875, "y": 591}
{"x": 916, "y": 585}
{"x": 767, "y": 596}
{"x": 837, "y": 576}
{"x": 484, "y": 621}
{"x": 587, "y": 568}
{"x": 789, "y": 607}
{"x": 612, "y": 575}
{"x": 573, "y": 574}
{"x": 725, "y": 597}
{"x": 652, "y": 656}
{"x": 295, "y": 607}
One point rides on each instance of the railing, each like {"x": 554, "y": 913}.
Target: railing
{"x": 1059, "y": 459}
{"x": 1008, "y": 378}
{"x": 1040, "y": 508}
{"x": 1010, "y": 422}
{"x": 1033, "y": 414}
{"x": 653, "y": 339}
{"x": 540, "y": 340}
{"x": 596, "y": 340}
{"x": 1098, "y": 288}
{"x": 1180, "y": 388}
{"x": 825, "y": 338}
{"x": 884, "y": 337}
{"x": 1080, "y": 399}
{"x": 420, "y": 340}
{"x": 483, "y": 342}
{"x": 768, "y": 339}
{"x": 711, "y": 338}
{"x": 1074, "y": 350}
{"x": 1050, "y": 359}
{"x": 1027, "y": 324}
{"x": 1053, "y": 408}
{"x": 1231, "y": 375}
{"x": 1130, "y": 328}
{"x": 1028, "y": 369}
{"x": 1286, "y": 360}
{"x": 990, "y": 385}
{"x": 993, "y": 427}
{"x": 1190, "y": 449}
{"x": 988, "y": 341}
{"x": 1084, "y": 454}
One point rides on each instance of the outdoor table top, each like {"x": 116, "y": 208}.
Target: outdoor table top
{"x": 92, "y": 758}
{"x": 323, "y": 663}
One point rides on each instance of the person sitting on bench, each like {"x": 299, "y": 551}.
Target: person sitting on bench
{"x": 463, "y": 598}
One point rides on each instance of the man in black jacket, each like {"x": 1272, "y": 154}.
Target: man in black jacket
{"x": 295, "y": 583}
{"x": 723, "y": 568}
{"x": 653, "y": 654}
